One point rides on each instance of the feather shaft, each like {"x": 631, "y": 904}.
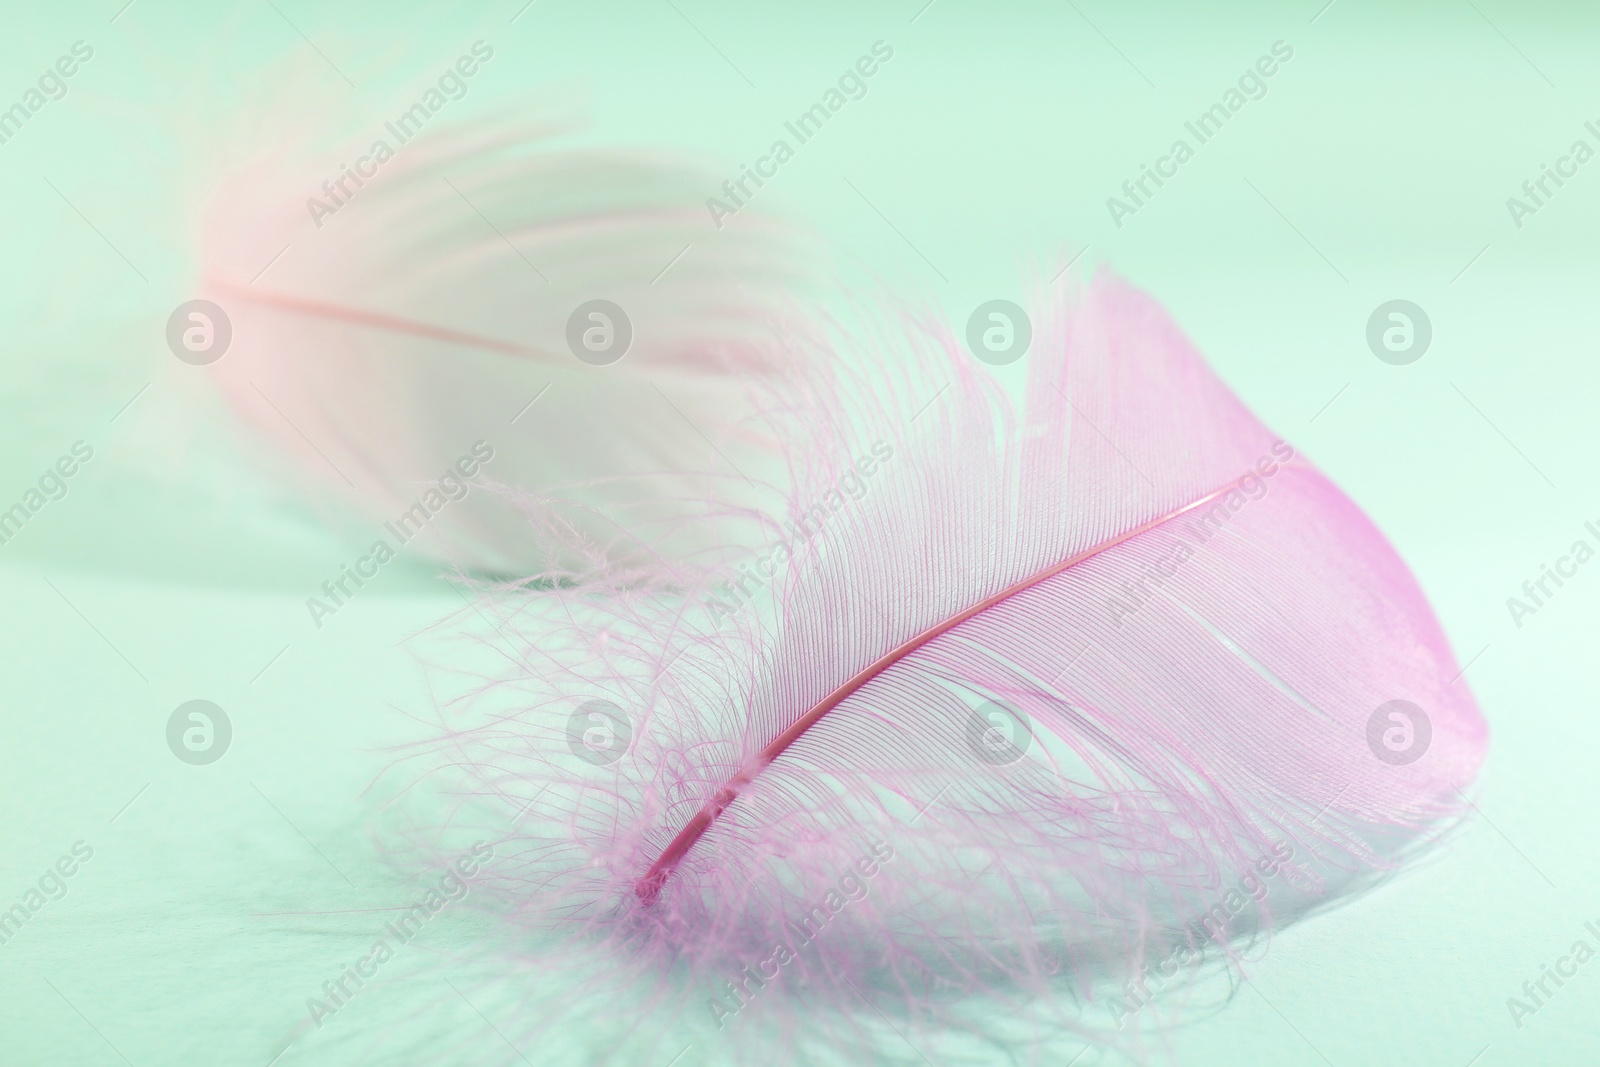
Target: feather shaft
{"x": 649, "y": 887}
{"x": 394, "y": 324}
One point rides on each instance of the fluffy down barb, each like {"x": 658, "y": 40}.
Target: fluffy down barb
{"x": 1044, "y": 705}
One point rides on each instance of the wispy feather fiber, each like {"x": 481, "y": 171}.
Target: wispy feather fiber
{"x": 1066, "y": 783}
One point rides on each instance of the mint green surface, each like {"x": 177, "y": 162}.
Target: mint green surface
{"x": 1377, "y": 166}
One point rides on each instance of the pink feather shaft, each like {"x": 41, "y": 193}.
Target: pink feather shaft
{"x": 649, "y": 886}
{"x": 392, "y": 323}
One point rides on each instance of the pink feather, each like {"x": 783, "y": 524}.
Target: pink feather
{"x": 1196, "y": 625}
{"x": 429, "y": 311}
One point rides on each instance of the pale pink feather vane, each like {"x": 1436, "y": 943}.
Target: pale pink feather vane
{"x": 1025, "y": 716}
{"x": 430, "y": 314}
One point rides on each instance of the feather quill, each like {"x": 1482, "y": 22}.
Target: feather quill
{"x": 1015, "y": 706}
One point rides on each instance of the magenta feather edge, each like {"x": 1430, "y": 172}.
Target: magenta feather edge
{"x": 1027, "y": 716}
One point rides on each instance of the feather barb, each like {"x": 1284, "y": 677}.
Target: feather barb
{"x": 648, "y": 888}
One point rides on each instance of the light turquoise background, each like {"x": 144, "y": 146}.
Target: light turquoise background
{"x": 1377, "y": 167}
